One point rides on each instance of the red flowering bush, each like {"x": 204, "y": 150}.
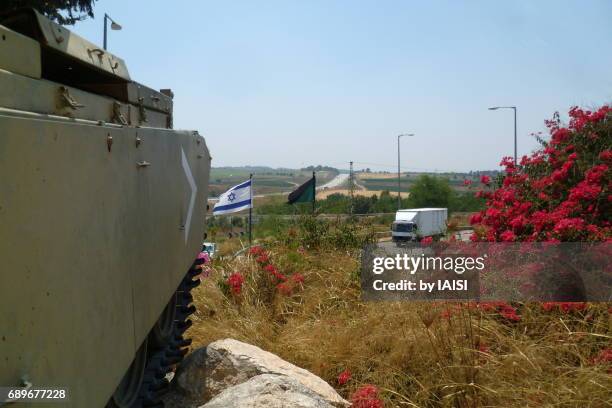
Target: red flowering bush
{"x": 282, "y": 283}
{"x": 564, "y": 307}
{"x": 262, "y": 259}
{"x": 298, "y": 278}
{"x": 271, "y": 269}
{"x": 561, "y": 193}
{"x": 366, "y": 397}
{"x": 504, "y": 309}
{"x": 235, "y": 282}
{"x": 285, "y": 289}
{"x": 344, "y": 377}
{"x": 256, "y": 250}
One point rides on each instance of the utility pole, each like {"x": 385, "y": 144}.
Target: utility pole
{"x": 251, "y": 211}
{"x": 314, "y": 192}
{"x": 514, "y": 109}
{"x": 351, "y": 187}
{"x": 399, "y": 195}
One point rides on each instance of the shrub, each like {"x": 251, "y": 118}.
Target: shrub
{"x": 315, "y": 233}
{"x": 559, "y": 193}
{"x": 366, "y": 397}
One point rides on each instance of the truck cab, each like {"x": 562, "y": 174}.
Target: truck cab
{"x": 404, "y": 231}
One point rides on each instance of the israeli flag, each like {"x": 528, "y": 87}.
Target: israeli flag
{"x": 235, "y": 199}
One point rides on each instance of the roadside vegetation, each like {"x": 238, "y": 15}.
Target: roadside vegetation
{"x": 297, "y": 294}
{"x": 300, "y": 298}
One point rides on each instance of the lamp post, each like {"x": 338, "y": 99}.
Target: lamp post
{"x": 114, "y": 26}
{"x": 514, "y": 109}
{"x": 399, "y": 198}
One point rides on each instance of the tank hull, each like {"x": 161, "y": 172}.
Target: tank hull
{"x": 98, "y": 225}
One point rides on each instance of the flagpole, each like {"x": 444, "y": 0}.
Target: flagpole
{"x": 314, "y": 192}
{"x": 251, "y": 212}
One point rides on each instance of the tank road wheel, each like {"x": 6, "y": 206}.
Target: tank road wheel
{"x": 163, "y": 330}
{"x": 145, "y": 382}
{"x": 128, "y": 391}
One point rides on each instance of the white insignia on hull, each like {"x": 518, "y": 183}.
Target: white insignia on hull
{"x": 194, "y": 190}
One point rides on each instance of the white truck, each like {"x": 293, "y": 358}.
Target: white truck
{"x": 417, "y": 223}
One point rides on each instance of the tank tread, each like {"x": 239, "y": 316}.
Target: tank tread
{"x": 162, "y": 361}
{"x": 189, "y": 284}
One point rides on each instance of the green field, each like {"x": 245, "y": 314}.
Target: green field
{"x": 266, "y": 180}
{"x": 455, "y": 180}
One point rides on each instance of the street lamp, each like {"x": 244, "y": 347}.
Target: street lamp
{"x": 399, "y": 198}
{"x": 513, "y": 108}
{"x": 114, "y": 26}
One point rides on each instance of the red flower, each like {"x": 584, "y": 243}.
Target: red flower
{"x": 271, "y": 269}
{"x": 366, "y": 397}
{"x": 560, "y": 135}
{"x": 504, "y": 309}
{"x": 510, "y": 314}
{"x": 298, "y": 278}
{"x": 427, "y": 240}
{"x": 256, "y": 250}
{"x": 568, "y": 225}
{"x": 595, "y": 174}
{"x": 604, "y": 356}
{"x": 606, "y": 155}
{"x": 344, "y": 377}
{"x": 565, "y": 307}
{"x": 235, "y": 282}
{"x": 475, "y": 219}
{"x": 262, "y": 259}
{"x": 284, "y": 289}
{"x": 484, "y": 179}
{"x": 467, "y": 182}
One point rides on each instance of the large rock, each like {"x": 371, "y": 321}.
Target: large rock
{"x": 210, "y": 370}
{"x": 268, "y": 391}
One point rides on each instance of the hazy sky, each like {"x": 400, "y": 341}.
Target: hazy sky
{"x": 294, "y": 83}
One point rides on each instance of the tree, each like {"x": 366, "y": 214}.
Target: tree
{"x": 65, "y": 12}
{"x": 362, "y": 205}
{"x": 466, "y": 201}
{"x": 430, "y": 191}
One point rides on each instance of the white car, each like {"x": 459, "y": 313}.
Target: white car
{"x": 210, "y": 248}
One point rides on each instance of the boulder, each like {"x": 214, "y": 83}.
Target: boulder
{"x": 268, "y": 391}
{"x": 222, "y": 364}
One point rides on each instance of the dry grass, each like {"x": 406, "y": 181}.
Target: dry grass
{"x": 417, "y": 357}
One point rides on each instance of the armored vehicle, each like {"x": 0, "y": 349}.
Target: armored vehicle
{"x": 102, "y": 210}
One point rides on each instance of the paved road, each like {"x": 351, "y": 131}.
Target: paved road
{"x": 335, "y": 182}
